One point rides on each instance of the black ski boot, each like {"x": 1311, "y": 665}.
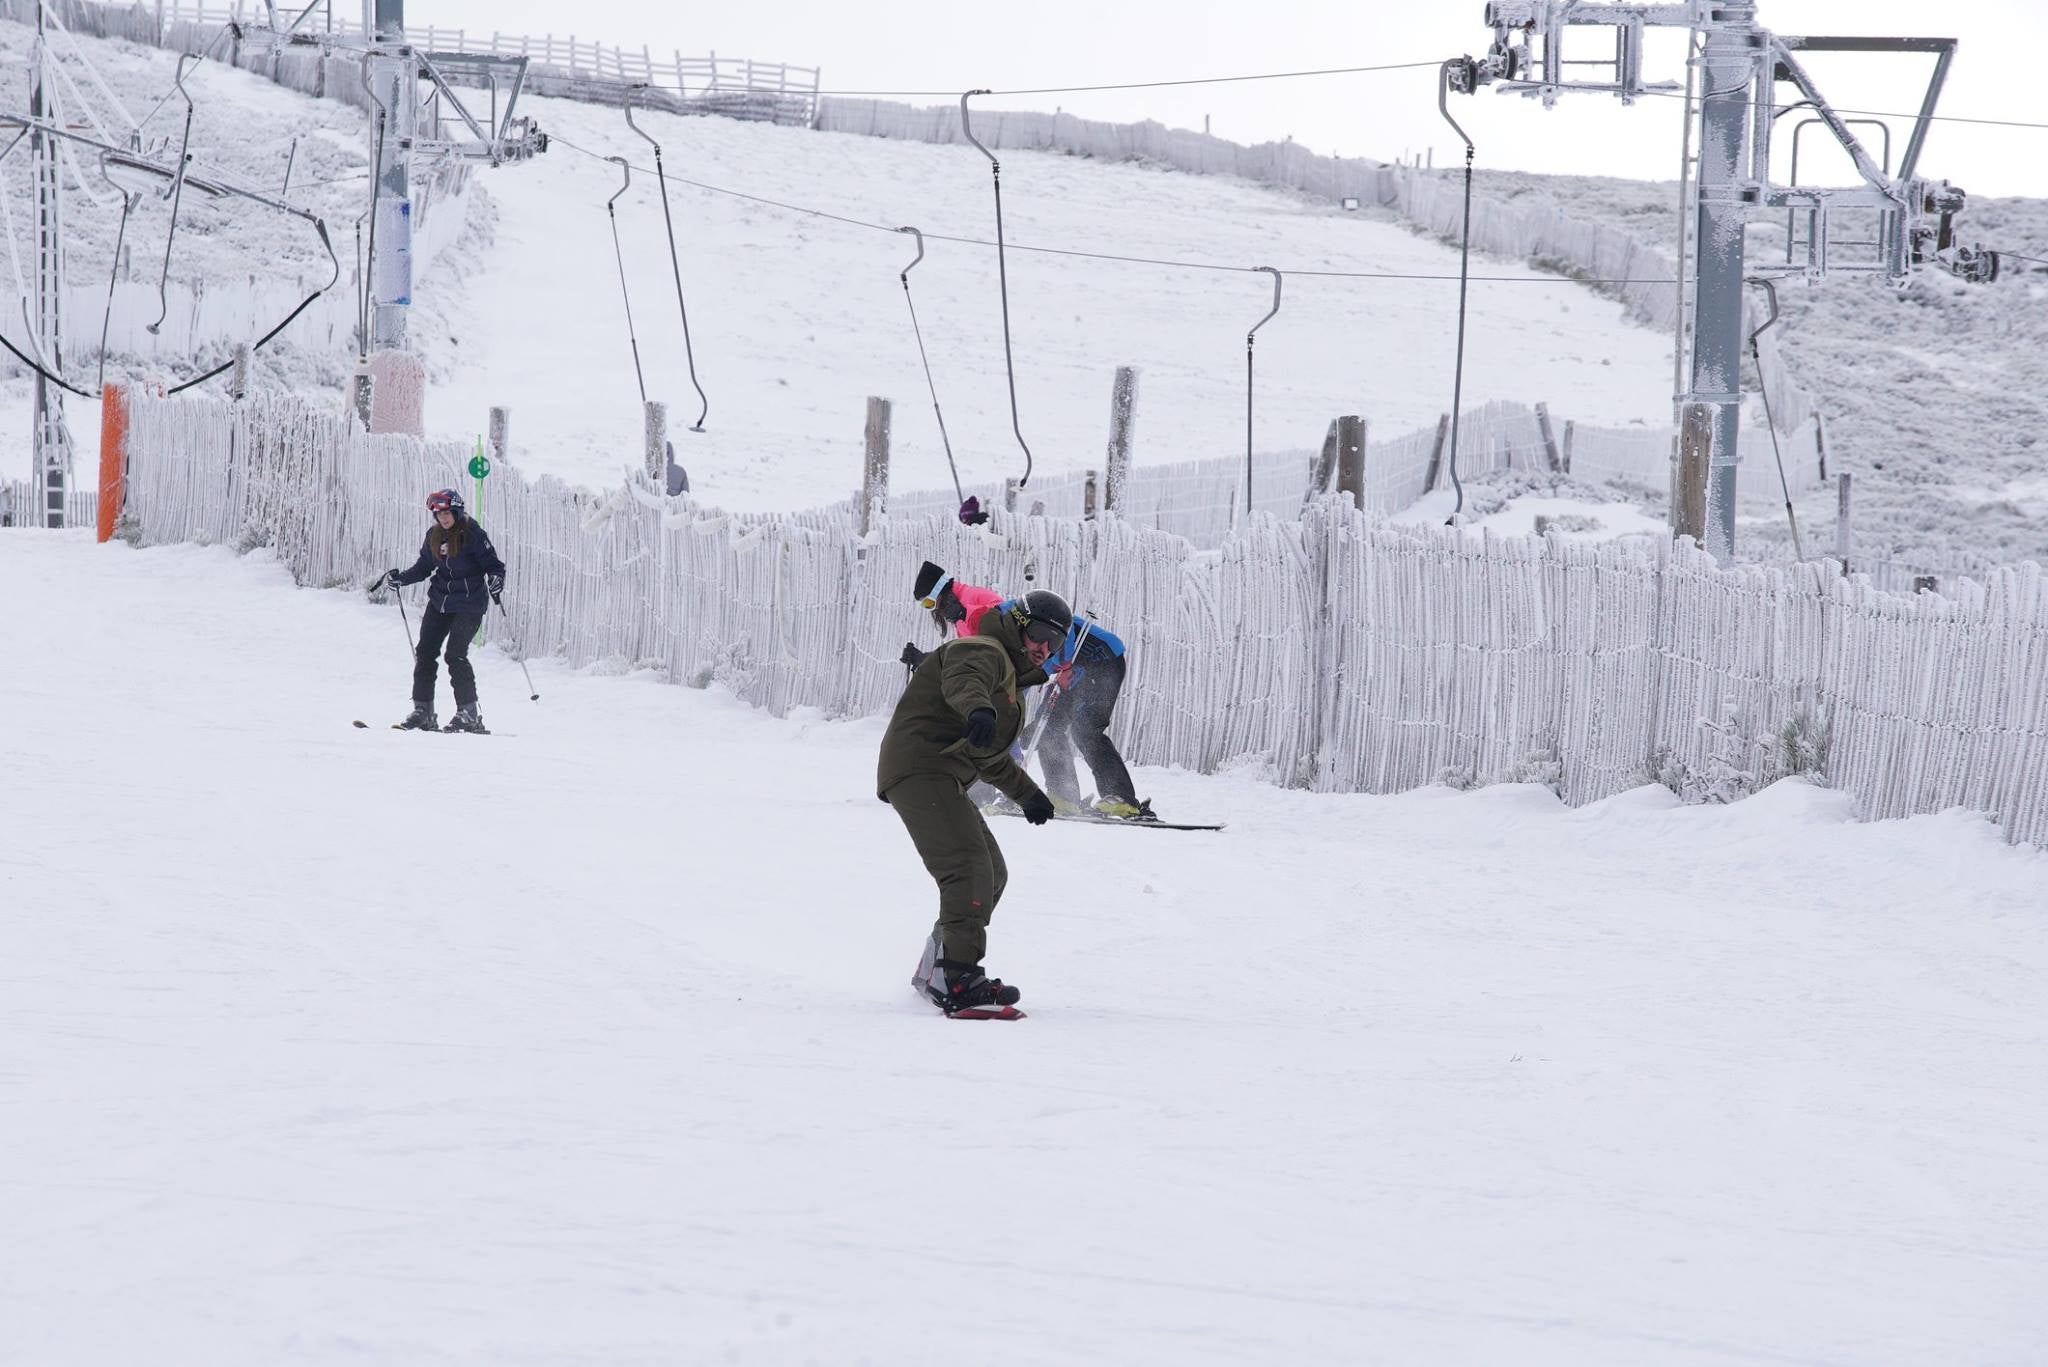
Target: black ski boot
{"x": 467, "y": 718}
{"x": 962, "y": 990}
{"x": 421, "y": 718}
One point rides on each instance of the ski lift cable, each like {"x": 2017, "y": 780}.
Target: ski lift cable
{"x": 1773, "y": 108}
{"x": 177, "y": 198}
{"x": 620, "y": 255}
{"x": 930, "y": 384}
{"x": 557, "y": 139}
{"x": 128, "y": 202}
{"x": 1125, "y": 85}
{"x": 1443, "y": 90}
{"x": 661, "y": 177}
{"x": 1248, "y": 339}
{"x": 205, "y": 53}
{"x": 1770, "y": 288}
{"x": 995, "y": 168}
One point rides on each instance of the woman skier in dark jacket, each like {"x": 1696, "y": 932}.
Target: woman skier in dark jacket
{"x": 467, "y": 575}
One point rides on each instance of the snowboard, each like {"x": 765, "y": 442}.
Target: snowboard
{"x": 1096, "y": 819}
{"x": 984, "y": 1013}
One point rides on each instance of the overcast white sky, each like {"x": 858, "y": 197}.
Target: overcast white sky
{"x": 930, "y": 45}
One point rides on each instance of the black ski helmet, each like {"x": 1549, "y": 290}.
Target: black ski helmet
{"x": 445, "y": 501}
{"x": 1044, "y": 617}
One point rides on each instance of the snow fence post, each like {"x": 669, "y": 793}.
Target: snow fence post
{"x": 654, "y": 430}
{"x": 1695, "y": 453}
{"x": 238, "y": 378}
{"x": 501, "y": 436}
{"x": 113, "y": 455}
{"x": 1549, "y": 438}
{"x": 1567, "y": 452}
{"x": 1123, "y": 412}
{"x": 1351, "y": 458}
{"x": 874, "y": 473}
{"x": 1842, "y": 520}
{"x": 1436, "y": 453}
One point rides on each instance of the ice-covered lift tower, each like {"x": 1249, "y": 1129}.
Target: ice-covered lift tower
{"x": 417, "y": 116}
{"x": 1738, "y": 66}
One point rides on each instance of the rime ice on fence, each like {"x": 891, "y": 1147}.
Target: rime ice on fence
{"x": 1340, "y": 651}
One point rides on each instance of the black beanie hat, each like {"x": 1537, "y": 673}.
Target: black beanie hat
{"x": 928, "y": 578}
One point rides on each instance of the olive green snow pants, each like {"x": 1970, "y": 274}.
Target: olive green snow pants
{"x": 961, "y": 856}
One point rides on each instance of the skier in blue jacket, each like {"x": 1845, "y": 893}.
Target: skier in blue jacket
{"x": 1088, "y": 672}
{"x": 467, "y": 575}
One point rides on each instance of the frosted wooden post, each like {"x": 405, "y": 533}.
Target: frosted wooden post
{"x": 1088, "y": 486}
{"x": 1009, "y": 495}
{"x": 655, "y": 434}
{"x": 1325, "y": 467}
{"x": 1351, "y": 458}
{"x": 1549, "y": 438}
{"x": 1123, "y": 412}
{"x": 238, "y": 379}
{"x": 1820, "y": 443}
{"x": 1568, "y": 426}
{"x": 501, "y": 436}
{"x": 1842, "y": 520}
{"x": 874, "y": 474}
{"x": 1689, "y": 494}
{"x": 1436, "y": 453}
{"x": 364, "y": 387}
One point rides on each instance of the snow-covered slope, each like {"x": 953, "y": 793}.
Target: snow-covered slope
{"x": 590, "y": 1041}
{"x": 796, "y": 320}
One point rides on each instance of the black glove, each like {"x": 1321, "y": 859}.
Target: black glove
{"x": 1037, "y": 809}
{"x": 912, "y": 656}
{"x": 494, "y": 584}
{"x": 386, "y": 580}
{"x": 981, "y": 729}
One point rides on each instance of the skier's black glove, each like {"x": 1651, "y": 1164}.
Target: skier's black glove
{"x": 981, "y": 729}
{"x": 386, "y": 580}
{"x": 1037, "y": 809}
{"x": 494, "y": 584}
{"x": 912, "y": 656}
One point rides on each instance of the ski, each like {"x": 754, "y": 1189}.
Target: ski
{"x": 431, "y": 730}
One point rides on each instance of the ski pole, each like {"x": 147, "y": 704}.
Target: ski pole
{"x": 398, "y": 592}
{"x": 522, "y": 664}
{"x": 1053, "y": 693}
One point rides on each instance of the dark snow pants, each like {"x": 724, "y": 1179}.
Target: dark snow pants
{"x": 458, "y": 629}
{"x": 1080, "y": 721}
{"x": 961, "y": 856}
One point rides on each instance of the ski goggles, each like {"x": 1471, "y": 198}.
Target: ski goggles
{"x": 931, "y": 600}
{"x": 444, "y": 501}
{"x": 1048, "y": 634}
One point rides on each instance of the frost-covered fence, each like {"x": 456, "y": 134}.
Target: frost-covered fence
{"x": 20, "y": 507}
{"x": 576, "y": 68}
{"x": 1203, "y": 500}
{"x": 1337, "y": 650}
{"x": 1643, "y": 457}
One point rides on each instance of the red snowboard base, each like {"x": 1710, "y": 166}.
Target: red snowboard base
{"x": 986, "y": 1013}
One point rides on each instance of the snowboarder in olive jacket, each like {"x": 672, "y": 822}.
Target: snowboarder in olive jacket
{"x": 956, "y": 721}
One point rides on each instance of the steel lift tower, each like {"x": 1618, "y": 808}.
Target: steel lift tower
{"x": 1740, "y": 66}
{"x": 417, "y": 118}
{"x": 51, "y": 444}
